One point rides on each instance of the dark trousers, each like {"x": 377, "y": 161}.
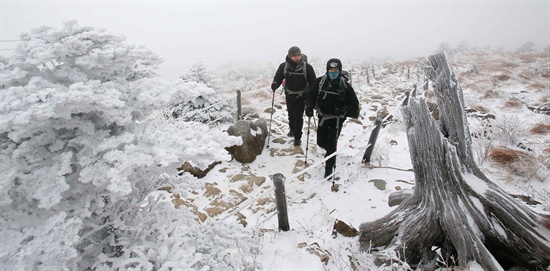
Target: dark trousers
{"x": 327, "y": 137}
{"x": 295, "y": 106}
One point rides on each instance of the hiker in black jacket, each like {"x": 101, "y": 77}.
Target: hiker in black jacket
{"x": 297, "y": 75}
{"x": 334, "y": 99}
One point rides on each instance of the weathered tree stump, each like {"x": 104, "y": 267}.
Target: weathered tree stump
{"x": 455, "y": 207}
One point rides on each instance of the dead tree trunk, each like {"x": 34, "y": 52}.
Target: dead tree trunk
{"x": 455, "y": 207}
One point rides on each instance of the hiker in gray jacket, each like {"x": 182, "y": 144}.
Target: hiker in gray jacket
{"x": 298, "y": 76}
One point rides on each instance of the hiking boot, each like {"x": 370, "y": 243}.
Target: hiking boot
{"x": 328, "y": 172}
{"x": 297, "y": 142}
{"x": 290, "y": 134}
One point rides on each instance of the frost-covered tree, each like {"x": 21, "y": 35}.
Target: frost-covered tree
{"x": 245, "y": 76}
{"x": 78, "y": 163}
{"x": 445, "y": 47}
{"x": 463, "y": 47}
{"x": 210, "y": 107}
{"x": 527, "y": 47}
{"x": 199, "y": 73}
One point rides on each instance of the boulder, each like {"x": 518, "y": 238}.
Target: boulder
{"x": 253, "y": 134}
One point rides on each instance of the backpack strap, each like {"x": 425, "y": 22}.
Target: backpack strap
{"x": 341, "y": 89}
{"x": 304, "y": 73}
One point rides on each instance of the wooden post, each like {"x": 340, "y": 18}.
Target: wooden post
{"x": 406, "y": 101}
{"x": 280, "y": 199}
{"x": 372, "y": 140}
{"x": 239, "y": 106}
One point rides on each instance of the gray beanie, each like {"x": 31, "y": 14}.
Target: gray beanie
{"x": 294, "y": 50}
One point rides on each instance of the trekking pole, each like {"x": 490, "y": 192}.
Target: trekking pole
{"x": 270, "y": 119}
{"x": 307, "y": 138}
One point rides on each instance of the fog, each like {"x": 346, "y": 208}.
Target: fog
{"x": 220, "y": 32}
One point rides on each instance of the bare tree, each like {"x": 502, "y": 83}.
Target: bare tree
{"x": 455, "y": 208}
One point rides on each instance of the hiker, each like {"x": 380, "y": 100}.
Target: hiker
{"x": 297, "y": 75}
{"x": 334, "y": 99}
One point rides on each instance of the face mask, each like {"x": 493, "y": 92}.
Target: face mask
{"x": 333, "y": 75}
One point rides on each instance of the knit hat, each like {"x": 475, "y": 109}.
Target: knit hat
{"x": 294, "y": 50}
{"x": 334, "y": 63}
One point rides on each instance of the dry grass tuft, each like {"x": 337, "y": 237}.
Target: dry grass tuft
{"x": 540, "y": 128}
{"x": 499, "y": 65}
{"x": 501, "y": 77}
{"x": 537, "y": 86}
{"x": 528, "y": 58}
{"x": 506, "y": 155}
{"x": 480, "y": 109}
{"x": 491, "y": 94}
{"x": 515, "y": 104}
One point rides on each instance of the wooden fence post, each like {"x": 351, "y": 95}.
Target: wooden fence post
{"x": 372, "y": 140}
{"x": 406, "y": 101}
{"x": 280, "y": 199}
{"x": 239, "y": 106}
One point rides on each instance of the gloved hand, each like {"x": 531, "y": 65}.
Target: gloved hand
{"x": 309, "y": 112}
{"x": 340, "y": 111}
{"x": 274, "y": 86}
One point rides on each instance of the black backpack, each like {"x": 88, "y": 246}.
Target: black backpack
{"x": 341, "y": 92}
{"x": 304, "y": 60}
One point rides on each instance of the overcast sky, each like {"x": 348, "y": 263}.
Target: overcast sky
{"x": 217, "y": 32}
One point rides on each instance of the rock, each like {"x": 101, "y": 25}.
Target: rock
{"x": 379, "y": 183}
{"x": 253, "y": 135}
{"x": 195, "y": 171}
{"x": 224, "y": 202}
{"x": 541, "y": 109}
{"x": 344, "y": 229}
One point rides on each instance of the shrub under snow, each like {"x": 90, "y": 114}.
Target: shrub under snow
{"x": 77, "y": 163}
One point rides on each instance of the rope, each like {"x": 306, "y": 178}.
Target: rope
{"x": 251, "y": 200}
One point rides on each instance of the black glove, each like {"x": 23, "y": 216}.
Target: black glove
{"x": 274, "y": 86}
{"x": 340, "y": 111}
{"x": 309, "y": 112}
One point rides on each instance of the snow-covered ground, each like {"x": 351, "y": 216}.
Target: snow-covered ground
{"x": 504, "y": 86}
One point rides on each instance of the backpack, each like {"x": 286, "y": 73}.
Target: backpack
{"x": 304, "y": 72}
{"x": 304, "y": 60}
{"x": 347, "y": 76}
{"x": 341, "y": 92}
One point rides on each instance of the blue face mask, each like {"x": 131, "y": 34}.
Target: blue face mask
{"x": 333, "y": 75}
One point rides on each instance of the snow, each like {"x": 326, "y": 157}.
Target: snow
{"x": 478, "y": 185}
